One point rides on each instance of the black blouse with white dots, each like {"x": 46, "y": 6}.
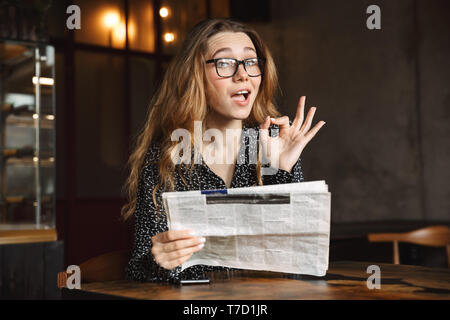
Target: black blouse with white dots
{"x": 149, "y": 221}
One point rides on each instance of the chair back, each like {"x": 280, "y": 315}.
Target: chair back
{"x": 106, "y": 267}
{"x": 434, "y": 236}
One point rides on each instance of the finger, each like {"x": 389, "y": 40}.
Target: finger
{"x": 309, "y": 118}
{"x": 170, "y": 264}
{"x": 156, "y": 248}
{"x": 173, "y": 235}
{"x": 311, "y": 133}
{"x": 283, "y": 122}
{"x": 176, "y": 262}
{"x": 300, "y": 113}
{"x": 183, "y": 252}
{"x": 181, "y": 244}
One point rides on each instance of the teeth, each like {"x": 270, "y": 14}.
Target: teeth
{"x": 242, "y": 92}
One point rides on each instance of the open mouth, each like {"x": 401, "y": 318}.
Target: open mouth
{"x": 241, "y": 95}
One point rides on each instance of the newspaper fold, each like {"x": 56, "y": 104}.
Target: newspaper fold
{"x": 281, "y": 228}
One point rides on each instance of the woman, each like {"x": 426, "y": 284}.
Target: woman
{"x": 225, "y": 77}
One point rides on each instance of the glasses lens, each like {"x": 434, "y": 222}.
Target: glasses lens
{"x": 253, "y": 67}
{"x": 226, "y": 67}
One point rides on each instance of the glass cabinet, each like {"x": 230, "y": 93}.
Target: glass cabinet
{"x": 27, "y": 136}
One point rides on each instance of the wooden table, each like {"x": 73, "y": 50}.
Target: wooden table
{"x": 344, "y": 281}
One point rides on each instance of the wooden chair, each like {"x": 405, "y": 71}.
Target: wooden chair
{"x": 106, "y": 267}
{"x": 434, "y": 236}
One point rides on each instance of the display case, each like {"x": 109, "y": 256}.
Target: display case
{"x": 27, "y": 140}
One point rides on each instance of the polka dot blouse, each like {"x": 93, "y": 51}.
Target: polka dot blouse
{"x": 149, "y": 221}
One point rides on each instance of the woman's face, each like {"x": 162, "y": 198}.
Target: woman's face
{"x": 221, "y": 92}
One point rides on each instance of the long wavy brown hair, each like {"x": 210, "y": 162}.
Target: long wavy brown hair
{"x": 181, "y": 99}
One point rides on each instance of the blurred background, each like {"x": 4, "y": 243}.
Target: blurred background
{"x": 385, "y": 95}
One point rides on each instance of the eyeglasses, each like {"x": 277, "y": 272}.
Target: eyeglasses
{"x": 227, "y": 67}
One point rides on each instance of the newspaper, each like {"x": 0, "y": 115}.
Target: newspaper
{"x": 280, "y": 228}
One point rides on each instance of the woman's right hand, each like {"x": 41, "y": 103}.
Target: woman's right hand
{"x": 174, "y": 247}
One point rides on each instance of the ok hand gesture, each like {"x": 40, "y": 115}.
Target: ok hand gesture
{"x": 286, "y": 148}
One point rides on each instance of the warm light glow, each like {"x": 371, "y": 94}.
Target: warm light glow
{"x": 169, "y": 37}
{"x": 119, "y": 33}
{"x": 50, "y": 117}
{"x": 35, "y": 116}
{"x": 111, "y": 19}
{"x": 131, "y": 29}
{"x": 164, "y": 12}
{"x": 35, "y": 159}
{"x": 44, "y": 81}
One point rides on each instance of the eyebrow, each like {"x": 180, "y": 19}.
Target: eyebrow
{"x": 229, "y": 49}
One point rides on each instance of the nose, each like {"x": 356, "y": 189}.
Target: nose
{"x": 241, "y": 74}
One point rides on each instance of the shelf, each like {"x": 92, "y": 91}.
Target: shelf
{"x": 27, "y": 146}
{"x": 29, "y": 122}
{"x": 14, "y": 54}
{"x": 30, "y": 162}
{"x": 24, "y": 235}
{"x": 29, "y": 201}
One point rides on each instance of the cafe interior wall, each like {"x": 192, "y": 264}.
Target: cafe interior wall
{"x": 385, "y": 97}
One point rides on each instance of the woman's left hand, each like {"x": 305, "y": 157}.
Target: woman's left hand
{"x": 286, "y": 148}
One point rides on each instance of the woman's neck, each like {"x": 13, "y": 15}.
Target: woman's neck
{"x": 214, "y": 121}
{"x": 228, "y": 146}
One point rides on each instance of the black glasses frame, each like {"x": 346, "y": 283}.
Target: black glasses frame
{"x": 238, "y": 62}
